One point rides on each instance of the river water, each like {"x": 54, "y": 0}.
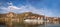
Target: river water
{"x": 42, "y": 25}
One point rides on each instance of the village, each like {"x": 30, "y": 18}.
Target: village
{"x": 27, "y": 18}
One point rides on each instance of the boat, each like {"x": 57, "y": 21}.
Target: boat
{"x": 33, "y": 21}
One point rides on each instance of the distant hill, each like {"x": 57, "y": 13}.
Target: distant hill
{"x": 25, "y": 14}
{"x": 22, "y": 15}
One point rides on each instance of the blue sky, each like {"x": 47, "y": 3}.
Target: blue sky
{"x": 44, "y": 7}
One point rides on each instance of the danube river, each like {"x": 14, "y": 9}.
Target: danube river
{"x": 42, "y": 25}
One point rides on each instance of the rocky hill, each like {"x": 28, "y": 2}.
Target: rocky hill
{"x": 25, "y": 14}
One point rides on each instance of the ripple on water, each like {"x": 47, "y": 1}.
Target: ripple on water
{"x": 52, "y": 25}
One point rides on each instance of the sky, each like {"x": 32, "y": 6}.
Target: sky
{"x": 41, "y": 7}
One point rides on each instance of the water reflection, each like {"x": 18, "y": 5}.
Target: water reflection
{"x": 46, "y": 24}
{"x": 53, "y": 24}
{"x": 24, "y": 24}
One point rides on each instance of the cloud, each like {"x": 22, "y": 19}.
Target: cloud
{"x": 26, "y": 8}
{"x": 9, "y": 8}
{"x": 9, "y": 3}
{"x": 30, "y": 8}
{"x": 13, "y": 7}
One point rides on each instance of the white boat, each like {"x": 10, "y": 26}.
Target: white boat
{"x": 33, "y": 21}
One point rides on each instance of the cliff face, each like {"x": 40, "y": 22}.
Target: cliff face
{"x": 2, "y": 15}
{"x": 9, "y": 16}
{"x": 21, "y": 15}
{"x": 6, "y": 14}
